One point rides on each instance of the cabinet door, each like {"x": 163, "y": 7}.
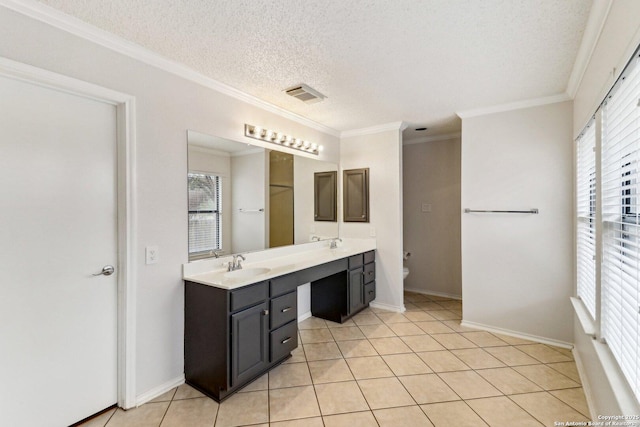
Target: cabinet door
{"x": 324, "y": 196}
{"x": 249, "y": 343}
{"x": 355, "y": 195}
{"x": 356, "y": 290}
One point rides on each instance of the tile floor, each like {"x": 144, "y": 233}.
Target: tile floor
{"x": 419, "y": 368}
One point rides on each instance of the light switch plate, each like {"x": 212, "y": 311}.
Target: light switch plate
{"x": 426, "y": 207}
{"x": 152, "y": 254}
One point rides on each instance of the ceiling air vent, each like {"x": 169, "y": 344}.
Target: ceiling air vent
{"x": 305, "y": 93}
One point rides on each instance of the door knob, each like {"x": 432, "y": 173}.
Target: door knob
{"x": 107, "y": 270}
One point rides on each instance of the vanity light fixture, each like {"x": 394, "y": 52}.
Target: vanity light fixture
{"x": 268, "y": 135}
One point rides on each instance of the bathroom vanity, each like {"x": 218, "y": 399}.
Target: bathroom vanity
{"x": 238, "y": 325}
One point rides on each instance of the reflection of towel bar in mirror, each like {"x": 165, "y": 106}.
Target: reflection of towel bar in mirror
{"x": 530, "y": 211}
{"x": 251, "y": 210}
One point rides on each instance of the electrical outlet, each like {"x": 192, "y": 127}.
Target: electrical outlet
{"x": 372, "y": 231}
{"x": 426, "y": 207}
{"x": 152, "y": 254}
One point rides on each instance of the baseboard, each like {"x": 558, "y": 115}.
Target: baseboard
{"x": 304, "y": 316}
{"x": 584, "y": 380}
{"x": 158, "y": 391}
{"x": 397, "y": 309}
{"x": 434, "y": 293}
{"x": 542, "y": 340}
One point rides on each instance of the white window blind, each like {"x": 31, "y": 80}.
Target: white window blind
{"x": 586, "y": 217}
{"x": 620, "y": 264}
{"x": 205, "y": 211}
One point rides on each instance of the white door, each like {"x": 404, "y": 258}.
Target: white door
{"x": 58, "y": 322}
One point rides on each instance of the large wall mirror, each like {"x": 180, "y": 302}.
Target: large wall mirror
{"x": 244, "y": 198}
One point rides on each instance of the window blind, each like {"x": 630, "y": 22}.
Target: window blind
{"x": 621, "y": 226}
{"x": 586, "y": 217}
{"x": 205, "y": 199}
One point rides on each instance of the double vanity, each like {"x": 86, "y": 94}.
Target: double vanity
{"x": 241, "y": 323}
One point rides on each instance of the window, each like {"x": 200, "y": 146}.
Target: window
{"x": 205, "y": 215}
{"x": 586, "y": 217}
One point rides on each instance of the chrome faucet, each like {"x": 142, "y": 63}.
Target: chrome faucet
{"x": 334, "y": 243}
{"x": 235, "y": 264}
{"x": 315, "y": 238}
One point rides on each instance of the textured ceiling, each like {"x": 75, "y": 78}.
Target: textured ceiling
{"x": 377, "y": 61}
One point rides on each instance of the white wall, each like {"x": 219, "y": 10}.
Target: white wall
{"x": 431, "y": 175}
{"x": 517, "y": 268}
{"x": 248, "y": 192}
{"x": 381, "y": 153}
{"x": 620, "y": 36}
{"x": 166, "y": 106}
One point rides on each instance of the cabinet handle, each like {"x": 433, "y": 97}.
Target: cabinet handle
{"x": 284, "y": 310}
{"x": 265, "y": 312}
{"x": 370, "y": 273}
{"x": 362, "y": 216}
{"x": 286, "y": 340}
{"x": 370, "y": 292}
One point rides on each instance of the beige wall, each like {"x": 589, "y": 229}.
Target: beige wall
{"x": 431, "y": 175}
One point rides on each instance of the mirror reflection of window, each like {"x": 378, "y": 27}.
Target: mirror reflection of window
{"x": 205, "y": 215}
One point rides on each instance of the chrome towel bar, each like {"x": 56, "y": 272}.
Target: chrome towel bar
{"x": 530, "y": 211}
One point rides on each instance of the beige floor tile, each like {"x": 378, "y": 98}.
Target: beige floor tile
{"x": 477, "y": 358}
{"x": 322, "y": 351}
{"x": 340, "y": 398}
{"x": 445, "y": 315}
{"x": 408, "y": 416}
{"x": 439, "y": 298}
{"x": 566, "y": 351}
{"x": 545, "y": 377}
{"x": 261, "y": 383}
{"x": 369, "y": 367}
{"x": 312, "y": 336}
{"x": 377, "y": 331}
{"x": 483, "y": 339}
{"x": 293, "y": 403}
{"x": 448, "y": 414}
{"x": 393, "y": 317}
{"x": 415, "y": 297}
{"x": 406, "y": 364}
{"x": 303, "y": 422}
{"x": 428, "y": 388}
{"x": 502, "y": 412}
{"x": 453, "y": 341}
{"x": 297, "y": 355}
{"x": 513, "y": 340}
{"x": 347, "y": 333}
{"x": 567, "y": 368}
{"x": 165, "y": 397}
{"x": 575, "y": 398}
{"x": 354, "y": 419}
{"x": 359, "y": 348}
{"x": 289, "y": 375}
{"x": 451, "y": 305}
{"x": 546, "y": 408}
{"x": 312, "y": 323}
{"x": 418, "y": 316}
{"x": 329, "y": 371}
{"x": 392, "y": 345}
{"x": 434, "y": 327}
{"x": 243, "y": 409}
{"x": 362, "y": 319}
{"x": 149, "y": 415}
{"x": 456, "y": 326}
{"x": 346, "y": 324}
{"x": 185, "y": 391}
{"x": 508, "y": 381}
{"x": 408, "y": 306}
{"x": 429, "y": 305}
{"x": 385, "y": 393}
{"x": 543, "y": 353}
{"x": 420, "y": 343}
{"x": 511, "y": 356}
{"x": 442, "y": 361}
{"x": 469, "y": 385}
{"x": 191, "y": 413}
{"x": 102, "y": 419}
{"x": 404, "y": 329}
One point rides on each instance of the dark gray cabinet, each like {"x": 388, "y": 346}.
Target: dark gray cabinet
{"x": 249, "y": 343}
{"x": 355, "y": 195}
{"x": 324, "y": 196}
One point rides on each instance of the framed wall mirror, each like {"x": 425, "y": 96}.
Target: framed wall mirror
{"x": 245, "y": 198}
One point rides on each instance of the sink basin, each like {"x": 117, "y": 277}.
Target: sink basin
{"x": 247, "y": 273}
{"x": 340, "y": 250}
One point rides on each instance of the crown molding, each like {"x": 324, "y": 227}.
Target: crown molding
{"x": 443, "y": 137}
{"x": 396, "y": 126}
{"x": 592, "y": 32}
{"x": 514, "y": 106}
{"x": 75, "y": 26}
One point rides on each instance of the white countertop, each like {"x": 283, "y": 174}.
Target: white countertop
{"x": 279, "y": 261}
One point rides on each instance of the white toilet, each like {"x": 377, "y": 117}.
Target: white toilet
{"x": 405, "y": 270}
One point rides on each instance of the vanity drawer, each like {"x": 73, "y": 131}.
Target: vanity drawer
{"x": 283, "y": 284}
{"x": 356, "y": 261}
{"x": 369, "y": 257}
{"x": 369, "y": 292}
{"x": 247, "y": 296}
{"x": 369, "y": 272}
{"x": 283, "y": 340}
{"x": 284, "y": 309}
